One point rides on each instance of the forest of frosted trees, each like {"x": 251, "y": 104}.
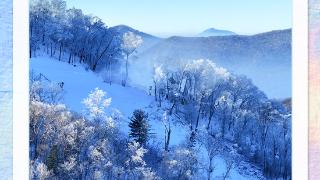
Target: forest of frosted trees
{"x": 217, "y": 108}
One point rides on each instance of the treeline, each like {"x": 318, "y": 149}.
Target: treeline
{"x": 210, "y": 100}
{"x": 59, "y": 31}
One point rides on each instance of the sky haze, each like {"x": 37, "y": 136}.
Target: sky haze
{"x": 181, "y": 17}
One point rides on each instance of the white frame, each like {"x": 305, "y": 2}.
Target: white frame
{"x": 299, "y": 91}
{"x": 20, "y": 89}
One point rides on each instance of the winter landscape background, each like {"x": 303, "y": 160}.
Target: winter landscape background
{"x": 118, "y": 103}
{"x": 6, "y": 89}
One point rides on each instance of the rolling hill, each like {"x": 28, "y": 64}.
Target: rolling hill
{"x": 265, "y": 57}
{"x": 148, "y": 40}
{"x": 215, "y": 32}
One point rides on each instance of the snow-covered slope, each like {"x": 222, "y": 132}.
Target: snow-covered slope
{"x": 78, "y": 83}
{"x": 215, "y": 32}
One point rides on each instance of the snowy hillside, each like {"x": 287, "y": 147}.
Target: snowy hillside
{"x": 215, "y": 32}
{"x": 78, "y": 83}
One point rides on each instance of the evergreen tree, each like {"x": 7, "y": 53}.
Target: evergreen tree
{"x": 52, "y": 159}
{"x": 139, "y": 127}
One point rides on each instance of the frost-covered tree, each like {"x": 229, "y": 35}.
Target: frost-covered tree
{"x": 191, "y": 90}
{"x": 130, "y": 42}
{"x": 70, "y": 35}
{"x": 40, "y": 15}
{"x": 67, "y": 145}
{"x": 167, "y": 125}
{"x": 181, "y": 163}
{"x": 39, "y": 170}
{"x": 213, "y": 146}
{"x": 95, "y": 104}
{"x": 136, "y": 166}
{"x": 159, "y": 85}
{"x": 43, "y": 90}
{"x": 228, "y": 166}
{"x": 202, "y": 94}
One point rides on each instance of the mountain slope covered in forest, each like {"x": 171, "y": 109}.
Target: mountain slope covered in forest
{"x": 78, "y": 83}
{"x": 265, "y": 57}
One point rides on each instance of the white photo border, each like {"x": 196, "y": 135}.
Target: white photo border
{"x": 20, "y": 89}
{"x": 21, "y": 94}
{"x": 300, "y": 90}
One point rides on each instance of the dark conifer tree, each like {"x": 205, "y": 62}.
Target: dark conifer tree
{"x": 139, "y": 127}
{"x": 52, "y": 159}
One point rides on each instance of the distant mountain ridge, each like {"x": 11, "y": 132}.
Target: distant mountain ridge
{"x": 148, "y": 39}
{"x": 216, "y": 32}
{"x": 124, "y": 28}
{"x": 265, "y": 58}
{"x": 274, "y": 46}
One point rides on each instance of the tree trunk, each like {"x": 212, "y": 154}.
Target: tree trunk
{"x": 94, "y": 67}
{"x": 155, "y": 91}
{"x": 73, "y": 58}
{"x": 223, "y": 125}
{"x": 51, "y": 50}
{"x": 54, "y": 50}
{"x": 198, "y": 117}
{"x": 167, "y": 93}
{"x": 171, "y": 109}
{"x": 126, "y": 78}
{"x": 167, "y": 139}
{"x": 109, "y": 72}
{"x": 159, "y": 99}
{"x": 69, "y": 58}
{"x": 210, "y": 170}
{"x": 60, "y": 50}
{"x": 209, "y": 119}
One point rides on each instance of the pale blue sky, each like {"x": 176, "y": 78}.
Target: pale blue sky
{"x": 189, "y": 17}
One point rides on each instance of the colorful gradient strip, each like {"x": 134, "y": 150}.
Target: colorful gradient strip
{"x": 314, "y": 89}
{"x": 6, "y": 89}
